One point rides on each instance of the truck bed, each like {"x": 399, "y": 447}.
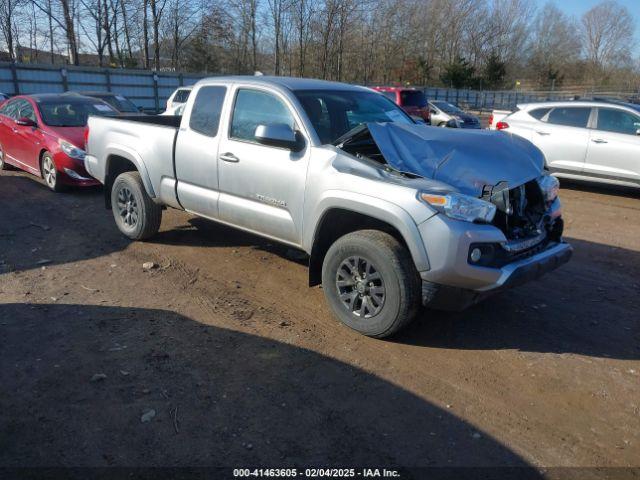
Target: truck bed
{"x": 172, "y": 121}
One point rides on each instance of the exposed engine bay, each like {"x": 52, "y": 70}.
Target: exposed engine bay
{"x": 482, "y": 164}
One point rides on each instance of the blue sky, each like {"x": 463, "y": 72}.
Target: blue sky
{"x": 578, "y": 7}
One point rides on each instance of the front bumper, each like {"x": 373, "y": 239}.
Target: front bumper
{"x": 453, "y": 283}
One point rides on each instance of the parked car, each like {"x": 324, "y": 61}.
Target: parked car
{"x": 411, "y": 100}
{"x": 174, "y": 111}
{"x": 583, "y": 140}
{"x": 445, "y": 114}
{"x": 119, "y": 102}
{"x": 44, "y": 135}
{"x": 179, "y": 97}
{"x": 391, "y": 214}
{"x": 496, "y": 117}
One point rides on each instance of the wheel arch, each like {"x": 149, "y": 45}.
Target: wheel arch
{"x": 336, "y": 221}
{"x": 118, "y": 163}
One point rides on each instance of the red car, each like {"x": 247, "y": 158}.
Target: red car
{"x": 44, "y": 135}
{"x": 411, "y": 100}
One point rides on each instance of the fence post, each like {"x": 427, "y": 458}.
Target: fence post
{"x": 155, "y": 92}
{"x": 107, "y": 75}
{"x": 65, "y": 82}
{"x": 14, "y": 76}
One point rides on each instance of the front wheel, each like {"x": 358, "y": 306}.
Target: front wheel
{"x": 50, "y": 173}
{"x": 135, "y": 213}
{"x": 370, "y": 283}
{"x": 2, "y": 164}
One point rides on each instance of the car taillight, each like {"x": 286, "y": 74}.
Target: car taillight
{"x": 491, "y": 119}
{"x": 86, "y": 137}
{"x": 502, "y": 125}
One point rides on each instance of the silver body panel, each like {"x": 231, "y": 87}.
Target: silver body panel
{"x": 582, "y": 153}
{"x": 284, "y": 195}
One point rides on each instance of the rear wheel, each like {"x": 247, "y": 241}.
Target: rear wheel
{"x": 370, "y": 283}
{"x": 135, "y": 213}
{"x": 50, "y": 173}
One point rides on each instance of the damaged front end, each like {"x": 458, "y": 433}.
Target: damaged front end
{"x": 489, "y": 178}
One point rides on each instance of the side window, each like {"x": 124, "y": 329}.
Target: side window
{"x": 619, "y": 121}
{"x": 25, "y": 110}
{"x": 538, "y": 113}
{"x": 181, "y": 96}
{"x": 253, "y": 108}
{"x": 570, "y": 116}
{"x": 205, "y": 114}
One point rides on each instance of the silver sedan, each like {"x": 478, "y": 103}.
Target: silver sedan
{"x": 584, "y": 140}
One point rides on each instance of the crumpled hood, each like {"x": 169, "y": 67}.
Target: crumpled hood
{"x": 466, "y": 160}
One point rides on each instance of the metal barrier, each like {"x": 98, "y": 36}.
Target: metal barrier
{"x": 150, "y": 90}
{"x": 147, "y": 89}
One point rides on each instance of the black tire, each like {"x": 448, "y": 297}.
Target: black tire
{"x": 442, "y": 124}
{"x": 399, "y": 279}
{"x": 49, "y": 173}
{"x": 135, "y": 213}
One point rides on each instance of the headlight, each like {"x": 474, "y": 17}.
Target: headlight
{"x": 549, "y": 185}
{"x": 461, "y": 207}
{"x": 71, "y": 150}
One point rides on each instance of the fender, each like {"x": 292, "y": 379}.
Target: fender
{"x": 373, "y": 207}
{"x": 133, "y": 156}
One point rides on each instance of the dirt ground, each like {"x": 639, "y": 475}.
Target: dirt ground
{"x": 222, "y": 356}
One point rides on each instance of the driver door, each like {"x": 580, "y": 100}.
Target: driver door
{"x": 261, "y": 187}
{"x": 27, "y": 139}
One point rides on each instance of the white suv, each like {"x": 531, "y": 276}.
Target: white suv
{"x": 179, "y": 97}
{"x": 585, "y": 140}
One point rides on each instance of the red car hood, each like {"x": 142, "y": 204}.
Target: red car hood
{"x": 74, "y": 135}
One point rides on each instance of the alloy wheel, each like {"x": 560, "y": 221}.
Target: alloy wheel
{"x": 49, "y": 171}
{"x": 128, "y": 207}
{"x": 360, "y": 287}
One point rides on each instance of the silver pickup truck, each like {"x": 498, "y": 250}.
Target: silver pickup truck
{"x": 392, "y": 214}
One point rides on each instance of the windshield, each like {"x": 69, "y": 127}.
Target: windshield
{"x": 67, "y": 112}
{"x": 334, "y": 112}
{"x": 447, "y": 107}
{"x": 120, "y": 103}
{"x": 413, "y": 98}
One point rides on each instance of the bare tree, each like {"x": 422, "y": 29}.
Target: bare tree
{"x": 8, "y": 26}
{"x": 607, "y": 34}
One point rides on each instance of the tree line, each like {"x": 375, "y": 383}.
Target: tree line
{"x": 489, "y": 44}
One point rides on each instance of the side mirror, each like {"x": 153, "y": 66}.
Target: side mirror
{"x": 26, "y": 122}
{"x": 278, "y": 135}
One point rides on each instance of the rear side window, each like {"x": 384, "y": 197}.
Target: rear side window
{"x": 538, "y": 113}
{"x": 413, "y": 98}
{"x": 207, "y": 107}
{"x": 618, "y": 121}
{"x": 570, "y": 116}
{"x": 181, "y": 96}
{"x": 254, "y": 108}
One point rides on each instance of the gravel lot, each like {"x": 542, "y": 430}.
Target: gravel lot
{"x": 221, "y": 355}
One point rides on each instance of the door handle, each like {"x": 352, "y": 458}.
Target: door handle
{"x": 229, "y": 157}
{"x": 598, "y": 140}
{"x": 539, "y": 132}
